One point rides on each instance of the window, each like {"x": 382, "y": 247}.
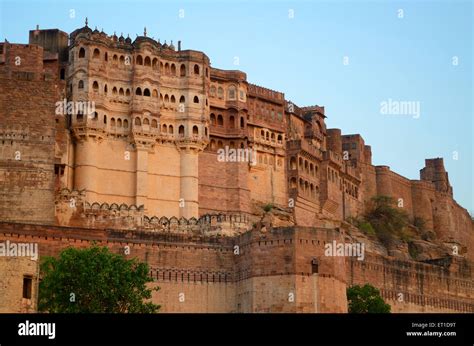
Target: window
{"x": 146, "y": 92}
{"x": 105, "y": 89}
{"x": 170, "y": 129}
{"x": 139, "y": 60}
{"x": 241, "y": 95}
{"x": 146, "y": 121}
{"x": 96, "y": 54}
{"x": 82, "y": 53}
{"x": 95, "y": 86}
{"x": 173, "y": 69}
{"x": 314, "y": 266}
{"x": 213, "y": 91}
{"x": 27, "y": 286}
{"x": 196, "y": 99}
{"x": 232, "y": 93}
{"x": 147, "y": 61}
{"x": 182, "y": 99}
{"x": 154, "y": 64}
{"x": 173, "y": 99}
{"x": 62, "y": 74}
{"x": 138, "y": 92}
{"x": 138, "y": 121}
{"x": 196, "y": 69}
{"x": 213, "y": 119}
{"x": 182, "y": 70}
{"x": 80, "y": 85}
{"x": 105, "y": 119}
{"x": 220, "y": 93}
{"x": 121, "y": 93}
{"x": 220, "y": 120}
{"x": 231, "y": 122}
{"x": 195, "y": 130}
{"x": 242, "y": 123}
{"x": 181, "y": 130}
{"x": 154, "y": 123}
{"x": 106, "y": 57}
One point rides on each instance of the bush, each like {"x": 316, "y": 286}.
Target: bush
{"x": 366, "y": 299}
{"x": 268, "y": 207}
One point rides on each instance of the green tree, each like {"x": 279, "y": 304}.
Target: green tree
{"x": 366, "y": 299}
{"x": 94, "y": 280}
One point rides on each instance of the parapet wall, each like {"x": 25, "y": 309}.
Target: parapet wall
{"x": 279, "y": 270}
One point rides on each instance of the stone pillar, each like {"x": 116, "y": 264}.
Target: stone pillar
{"x": 86, "y": 173}
{"x": 189, "y": 205}
{"x": 141, "y": 182}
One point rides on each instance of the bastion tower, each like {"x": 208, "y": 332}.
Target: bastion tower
{"x": 138, "y": 141}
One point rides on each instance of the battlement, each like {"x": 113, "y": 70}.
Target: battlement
{"x": 268, "y": 94}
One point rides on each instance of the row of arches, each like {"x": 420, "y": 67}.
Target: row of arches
{"x": 303, "y": 166}
{"x": 165, "y": 68}
{"x": 218, "y": 144}
{"x": 231, "y": 92}
{"x": 269, "y": 136}
{"x": 138, "y": 92}
{"x": 305, "y": 188}
{"x": 169, "y": 129}
{"x": 264, "y": 111}
{"x": 139, "y": 121}
{"x": 230, "y": 123}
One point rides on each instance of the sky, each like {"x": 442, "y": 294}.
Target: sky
{"x": 353, "y": 57}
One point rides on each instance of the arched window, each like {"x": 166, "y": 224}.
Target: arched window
{"x": 182, "y": 99}
{"x": 139, "y": 60}
{"x": 82, "y": 52}
{"x": 167, "y": 98}
{"x": 95, "y": 86}
{"x": 220, "y": 145}
{"x": 147, "y": 61}
{"x": 80, "y": 85}
{"x": 122, "y": 60}
{"x": 96, "y": 54}
{"x": 220, "y": 120}
{"x": 121, "y": 93}
{"x": 213, "y": 119}
{"x": 125, "y": 123}
{"x": 114, "y": 91}
{"x": 195, "y": 130}
{"x": 167, "y": 69}
{"x": 181, "y": 130}
{"x": 115, "y": 58}
{"x": 196, "y": 69}
{"x": 138, "y": 91}
{"x": 154, "y": 93}
{"x": 280, "y": 139}
{"x": 196, "y": 99}
{"x": 293, "y": 163}
{"x": 127, "y": 93}
{"x": 146, "y": 121}
{"x": 293, "y": 183}
{"x": 119, "y": 122}
{"x": 164, "y": 128}
{"x": 112, "y": 122}
{"x": 231, "y": 121}
{"x": 213, "y": 144}
{"x": 171, "y": 129}
{"x": 220, "y": 93}
{"x": 154, "y": 124}
{"x": 182, "y": 70}
{"x": 232, "y": 92}
{"x": 173, "y": 99}
{"x": 105, "y": 89}
{"x": 105, "y": 119}
{"x": 173, "y": 69}
{"x": 146, "y": 92}
{"x": 106, "y": 57}
{"x": 242, "y": 122}
{"x": 154, "y": 64}
{"x": 138, "y": 122}
{"x": 205, "y": 131}
{"x": 212, "y": 91}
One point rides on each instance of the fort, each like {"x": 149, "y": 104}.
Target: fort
{"x": 143, "y": 172}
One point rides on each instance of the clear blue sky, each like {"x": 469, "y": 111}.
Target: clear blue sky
{"x": 404, "y": 59}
